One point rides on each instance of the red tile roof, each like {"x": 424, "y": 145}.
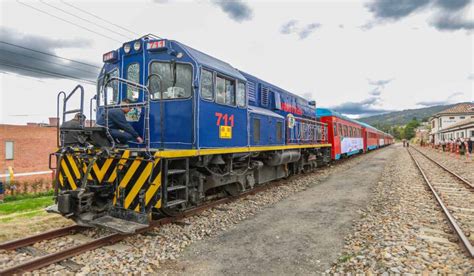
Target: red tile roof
{"x": 459, "y": 109}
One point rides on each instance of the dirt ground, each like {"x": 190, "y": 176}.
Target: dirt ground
{"x": 300, "y": 235}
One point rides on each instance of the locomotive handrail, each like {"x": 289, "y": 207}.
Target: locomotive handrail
{"x": 145, "y": 103}
{"x": 66, "y": 98}
{"x": 57, "y": 115}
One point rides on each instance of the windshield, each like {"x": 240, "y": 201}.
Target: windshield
{"x": 133, "y": 74}
{"x": 176, "y": 81}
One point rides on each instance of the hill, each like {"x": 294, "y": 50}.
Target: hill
{"x": 400, "y": 118}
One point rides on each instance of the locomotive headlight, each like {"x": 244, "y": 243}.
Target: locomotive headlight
{"x": 127, "y": 48}
{"x": 137, "y": 45}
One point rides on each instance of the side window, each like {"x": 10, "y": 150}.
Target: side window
{"x": 345, "y": 130}
{"x": 207, "y": 89}
{"x": 171, "y": 86}
{"x": 225, "y": 91}
{"x": 241, "y": 93}
{"x": 256, "y": 130}
{"x": 133, "y": 74}
{"x": 335, "y": 129}
{"x": 220, "y": 90}
{"x": 229, "y": 92}
{"x": 340, "y": 129}
{"x": 113, "y": 97}
{"x": 279, "y": 131}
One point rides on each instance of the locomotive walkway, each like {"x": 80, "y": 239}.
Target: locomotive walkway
{"x": 301, "y": 234}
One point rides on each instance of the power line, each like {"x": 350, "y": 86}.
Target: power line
{"x": 47, "y": 61}
{"x": 88, "y": 21}
{"x": 67, "y": 21}
{"x": 25, "y": 77}
{"x": 44, "y": 72}
{"x": 48, "y": 54}
{"x": 100, "y": 18}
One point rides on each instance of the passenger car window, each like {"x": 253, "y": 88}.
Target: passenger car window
{"x": 335, "y": 129}
{"x": 241, "y": 93}
{"x": 207, "y": 91}
{"x": 173, "y": 87}
{"x": 133, "y": 74}
{"x": 340, "y": 129}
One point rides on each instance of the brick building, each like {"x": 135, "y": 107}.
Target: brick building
{"x": 26, "y": 149}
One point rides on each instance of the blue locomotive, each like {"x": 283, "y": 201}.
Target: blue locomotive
{"x": 209, "y": 130}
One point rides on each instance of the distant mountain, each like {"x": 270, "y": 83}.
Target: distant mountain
{"x": 399, "y": 118}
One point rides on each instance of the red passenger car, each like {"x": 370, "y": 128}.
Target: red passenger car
{"x": 344, "y": 134}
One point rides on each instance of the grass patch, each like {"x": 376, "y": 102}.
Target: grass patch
{"x": 344, "y": 258}
{"x": 30, "y": 214}
{"x": 25, "y": 205}
{"x": 10, "y": 198}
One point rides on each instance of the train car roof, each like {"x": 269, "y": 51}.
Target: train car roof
{"x": 212, "y": 62}
{"x": 321, "y": 112}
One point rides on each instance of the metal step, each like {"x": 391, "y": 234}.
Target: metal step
{"x": 177, "y": 187}
{"x": 118, "y": 225}
{"x": 175, "y": 202}
{"x": 176, "y": 171}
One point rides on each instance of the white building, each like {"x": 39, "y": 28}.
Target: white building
{"x": 451, "y": 122}
{"x": 463, "y": 129}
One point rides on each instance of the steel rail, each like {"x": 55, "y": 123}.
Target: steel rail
{"x": 56, "y": 257}
{"x": 22, "y": 242}
{"x": 469, "y": 184}
{"x": 452, "y": 221}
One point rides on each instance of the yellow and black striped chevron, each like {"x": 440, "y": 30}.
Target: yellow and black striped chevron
{"x": 136, "y": 174}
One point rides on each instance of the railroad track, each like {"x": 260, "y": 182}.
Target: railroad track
{"x": 61, "y": 255}
{"x": 453, "y": 193}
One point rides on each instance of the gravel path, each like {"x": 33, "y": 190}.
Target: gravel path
{"x": 299, "y": 235}
{"x": 460, "y": 165}
{"x": 403, "y": 230}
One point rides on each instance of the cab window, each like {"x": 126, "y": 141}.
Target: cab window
{"x": 207, "y": 89}
{"x": 225, "y": 91}
{"x": 176, "y": 80}
{"x": 133, "y": 74}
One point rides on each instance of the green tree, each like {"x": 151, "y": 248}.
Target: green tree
{"x": 409, "y": 130}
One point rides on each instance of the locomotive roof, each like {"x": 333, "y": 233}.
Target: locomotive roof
{"x": 251, "y": 77}
{"x": 212, "y": 62}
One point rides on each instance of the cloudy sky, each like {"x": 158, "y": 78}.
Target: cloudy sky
{"x": 359, "y": 57}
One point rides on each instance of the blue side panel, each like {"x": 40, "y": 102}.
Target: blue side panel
{"x": 268, "y": 130}
{"x": 212, "y": 116}
{"x": 337, "y": 157}
{"x": 372, "y": 147}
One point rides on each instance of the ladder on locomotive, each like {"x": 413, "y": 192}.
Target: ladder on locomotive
{"x": 176, "y": 181}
